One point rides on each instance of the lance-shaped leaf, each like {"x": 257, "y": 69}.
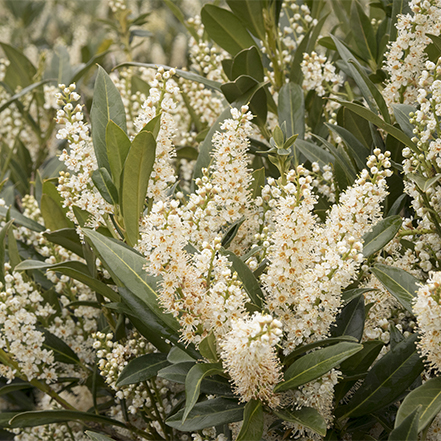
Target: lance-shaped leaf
{"x": 402, "y": 285}
{"x": 103, "y": 182}
{"x": 142, "y": 368}
{"x": 408, "y": 429}
{"x": 386, "y": 381}
{"x": 52, "y": 210}
{"x": 350, "y": 320}
{"x": 351, "y": 294}
{"x": 43, "y": 417}
{"x": 225, "y": 29}
{"x": 316, "y": 364}
{"x": 423, "y": 183}
{"x": 62, "y": 352}
{"x": 137, "y": 169}
{"x": 3, "y": 234}
{"x": 117, "y": 147}
{"x": 67, "y": 238}
{"x": 207, "y": 347}
{"x": 380, "y": 235}
{"x": 193, "y": 382}
{"x": 307, "y": 417}
{"x": 252, "y": 426}
{"x": 20, "y": 71}
{"x": 428, "y": 396}
{"x": 94, "y": 436}
{"x": 207, "y": 414}
{"x": 107, "y": 105}
{"x": 248, "y": 62}
{"x": 250, "y": 13}
{"x": 363, "y": 32}
{"x": 314, "y": 153}
{"x": 401, "y": 112}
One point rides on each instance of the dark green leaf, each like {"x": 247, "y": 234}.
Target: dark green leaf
{"x": 250, "y": 13}
{"x": 423, "y": 183}
{"x": 137, "y": 169}
{"x": 117, "y": 147}
{"x": 207, "y": 414}
{"x": 97, "y": 436}
{"x": 20, "y": 71}
{"x": 401, "y": 112}
{"x": 386, "y": 381}
{"x": 402, "y": 285}
{"x": 193, "y": 382}
{"x": 350, "y": 320}
{"x": 10, "y": 388}
{"x": 67, "y": 238}
{"x": 207, "y": 347}
{"x": 428, "y": 396}
{"x": 314, "y": 153}
{"x": 237, "y": 88}
{"x": 107, "y": 105}
{"x": 5, "y": 417}
{"x": 225, "y": 29}
{"x": 351, "y": 294}
{"x": 306, "y": 417}
{"x": 408, "y": 429}
{"x": 52, "y": 210}
{"x": 316, "y": 364}
{"x": 363, "y": 32}
{"x": 103, "y": 182}
{"x": 252, "y": 426}
{"x": 43, "y": 417}
{"x": 177, "y": 355}
{"x": 380, "y": 235}
{"x": 231, "y": 232}
{"x": 258, "y": 182}
{"x": 176, "y": 372}
{"x": 142, "y": 368}
{"x": 62, "y": 352}
{"x": 14, "y": 256}
{"x": 361, "y": 361}
{"x": 3, "y": 234}
{"x": 248, "y": 62}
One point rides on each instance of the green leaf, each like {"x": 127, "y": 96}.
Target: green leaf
{"x": 401, "y": 112}
{"x": 94, "y": 436}
{"x": 177, "y": 355}
{"x": 84, "y": 68}
{"x": 306, "y": 416}
{"x": 361, "y": 361}
{"x": 380, "y": 235}
{"x": 231, "y": 232}
{"x": 351, "y": 294}
{"x": 363, "y": 32}
{"x": 117, "y": 147}
{"x": 428, "y": 396}
{"x": 207, "y": 414}
{"x": 176, "y": 372}
{"x": 142, "y": 368}
{"x": 248, "y": 62}
{"x": 386, "y": 381}
{"x": 251, "y": 15}
{"x": 52, "y": 210}
{"x": 191, "y": 76}
{"x": 316, "y": 364}
{"x": 67, "y": 238}
{"x": 314, "y": 153}
{"x": 20, "y": 71}
{"x": 10, "y": 388}
{"x": 3, "y": 233}
{"x": 14, "y": 256}
{"x": 62, "y": 352}
{"x": 103, "y": 182}
{"x": 225, "y": 29}
{"x": 233, "y": 90}
{"x": 43, "y": 417}
{"x": 252, "y": 426}
{"x": 193, "y": 382}
{"x": 180, "y": 16}
{"x": 423, "y": 183}
{"x": 376, "y": 120}
{"x": 106, "y": 105}
{"x": 126, "y": 267}
{"x": 207, "y": 347}
{"x": 402, "y": 285}
{"x": 258, "y": 182}
{"x": 5, "y": 417}
{"x": 408, "y": 429}
{"x": 357, "y": 125}
{"x": 246, "y": 276}
{"x": 350, "y": 320}
{"x": 398, "y": 7}
{"x": 77, "y": 270}
{"x": 137, "y": 170}
{"x": 292, "y": 112}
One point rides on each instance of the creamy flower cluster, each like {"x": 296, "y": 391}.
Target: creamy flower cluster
{"x": 427, "y": 308}
{"x": 249, "y": 355}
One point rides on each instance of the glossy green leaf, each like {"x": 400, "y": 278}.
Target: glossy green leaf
{"x": 401, "y": 112}
{"x": 351, "y": 294}
{"x": 75, "y": 269}
{"x": 316, "y": 364}
{"x": 67, "y": 238}
{"x": 380, "y": 235}
{"x": 402, "y": 285}
{"x": 233, "y": 90}
{"x": 292, "y": 110}
{"x": 258, "y": 182}
{"x": 62, "y": 352}
{"x": 386, "y": 381}
{"x": 104, "y": 184}
{"x": 248, "y": 62}
{"x": 408, "y": 429}
{"x": 142, "y": 368}
{"x": 117, "y": 147}
{"x": 306, "y": 417}
{"x": 43, "y": 417}
{"x": 363, "y": 32}
{"x": 207, "y": 414}
{"x": 252, "y": 426}
{"x": 361, "y": 361}
{"x": 398, "y": 7}
{"x": 94, "y": 436}
{"x": 177, "y": 355}
{"x": 193, "y": 382}
{"x": 177, "y": 372}
{"x": 126, "y": 267}
{"x": 225, "y": 29}
{"x": 376, "y": 120}
{"x": 3, "y": 235}
{"x": 423, "y": 183}
{"x": 20, "y": 71}
{"x": 250, "y": 14}
{"x": 107, "y": 105}
{"x": 52, "y": 210}
{"x": 357, "y": 125}
{"x": 207, "y": 347}
{"x": 350, "y": 320}
{"x": 314, "y": 153}
{"x": 428, "y": 396}
{"x": 246, "y": 276}
{"x": 14, "y": 387}
{"x": 5, "y": 417}
{"x": 137, "y": 169}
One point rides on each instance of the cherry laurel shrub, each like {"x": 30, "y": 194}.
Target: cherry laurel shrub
{"x": 243, "y": 246}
